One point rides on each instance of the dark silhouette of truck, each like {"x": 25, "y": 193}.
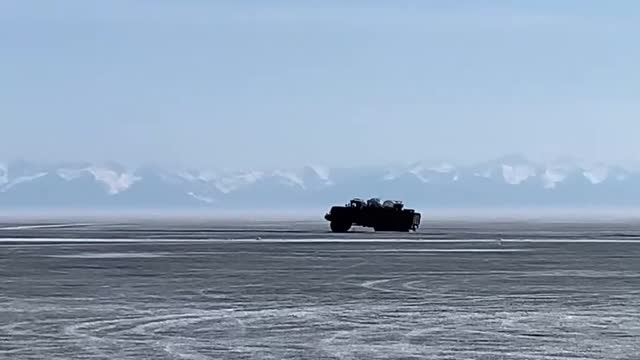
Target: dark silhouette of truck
{"x": 388, "y": 216}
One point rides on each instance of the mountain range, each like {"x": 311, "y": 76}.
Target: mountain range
{"x": 507, "y": 181}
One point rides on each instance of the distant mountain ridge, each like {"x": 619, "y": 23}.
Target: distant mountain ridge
{"x": 507, "y": 181}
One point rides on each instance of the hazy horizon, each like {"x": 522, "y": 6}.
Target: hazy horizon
{"x": 316, "y": 213}
{"x": 249, "y": 84}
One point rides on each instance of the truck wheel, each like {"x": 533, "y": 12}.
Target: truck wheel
{"x": 339, "y": 226}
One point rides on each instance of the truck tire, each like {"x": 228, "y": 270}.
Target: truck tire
{"x": 337, "y": 226}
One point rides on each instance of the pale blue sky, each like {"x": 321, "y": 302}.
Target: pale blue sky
{"x": 243, "y": 83}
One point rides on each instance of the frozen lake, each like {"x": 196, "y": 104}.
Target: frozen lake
{"x": 131, "y": 290}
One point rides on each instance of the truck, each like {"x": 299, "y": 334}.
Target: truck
{"x": 387, "y": 216}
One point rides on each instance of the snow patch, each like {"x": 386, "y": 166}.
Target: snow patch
{"x": 443, "y": 168}
{"x": 4, "y": 174}
{"x": 189, "y": 177}
{"x": 516, "y": 174}
{"x": 208, "y": 200}
{"x": 596, "y": 175}
{"x": 206, "y": 176}
{"x": 485, "y": 174}
{"x": 290, "y": 178}
{"x": 421, "y": 171}
{"x": 20, "y": 180}
{"x": 171, "y": 178}
{"x": 71, "y": 174}
{"x": 553, "y": 176}
{"x": 321, "y": 171}
{"x": 234, "y": 182}
{"x": 115, "y": 182}
{"x": 417, "y": 172}
{"x": 185, "y": 175}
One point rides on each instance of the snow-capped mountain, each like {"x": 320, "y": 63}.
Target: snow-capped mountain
{"x": 507, "y": 181}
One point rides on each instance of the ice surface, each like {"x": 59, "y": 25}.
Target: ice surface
{"x": 328, "y": 300}
{"x": 105, "y": 255}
